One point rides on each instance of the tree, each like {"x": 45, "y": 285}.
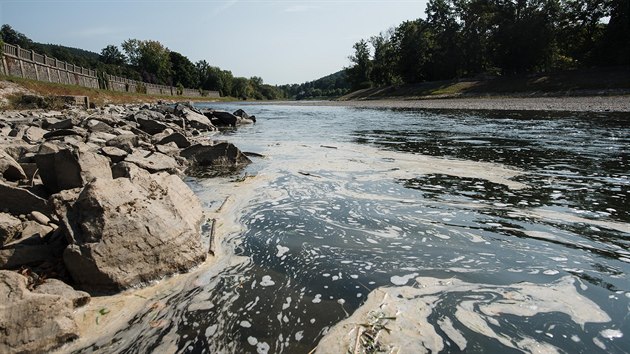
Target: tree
{"x": 151, "y": 58}
{"x": 11, "y": 36}
{"x": 412, "y": 41}
{"x": 359, "y": 73}
{"x": 384, "y": 62}
{"x": 112, "y": 55}
{"x": 523, "y": 39}
{"x": 444, "y": 29}
{"x": 183, "y": 70}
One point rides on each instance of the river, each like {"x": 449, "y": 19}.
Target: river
{"x": 492, "y": 232}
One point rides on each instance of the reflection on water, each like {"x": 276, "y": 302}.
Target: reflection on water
{"x": 342, "y": 209}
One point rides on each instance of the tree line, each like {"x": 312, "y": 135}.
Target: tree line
{"x": 333, "y": 85}
{"x": 150, "y": 61}
{"x": 464, "y": 38}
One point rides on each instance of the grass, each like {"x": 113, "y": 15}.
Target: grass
{"x": 97, "y": 96}
{"x": 587, "y": 82}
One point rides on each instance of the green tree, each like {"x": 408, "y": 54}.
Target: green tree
{"x": 384, "y": 62}
{"x": 444, "y": 30}
{"x": 112, "y": 55}
{"x": 11, "y": 36}
{"x": 412, "y": 41}
{"x": 151, "y": 58}
{"x": 359, "y": 72}
{"x": 523, "y": 40}
{"x": 183, "y": 70}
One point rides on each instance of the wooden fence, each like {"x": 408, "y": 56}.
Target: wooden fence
{"x": 28, "y": 64}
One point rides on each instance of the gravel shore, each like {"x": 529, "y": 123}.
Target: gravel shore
{"x": 566, "y": 104}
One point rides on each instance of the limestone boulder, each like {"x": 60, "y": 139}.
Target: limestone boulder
{"x": 178, "y": 138}
{"x": 127, "y": 141}
{"x": 197, "y": 120}
{"x": 18, "y": 200}
{"x": 150, "y": 126}
{"x": 128, "y": 231}
{"x": 226, "y": 118}
{"x": 10, "y": 228}
{"x": 115, "y": 154}
{"x": 65, "y": 168}
{"x": 34, "y": 135}
{"x": 153, "y": 161}
{"x": 36, "y": 321}
{"x": 10, "y": 169}
{"x": 221, "y": 154}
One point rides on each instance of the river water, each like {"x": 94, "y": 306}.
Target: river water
{"x": 494, "y": 232}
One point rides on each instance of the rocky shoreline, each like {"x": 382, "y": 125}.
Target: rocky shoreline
{"x": 92, "y": 199}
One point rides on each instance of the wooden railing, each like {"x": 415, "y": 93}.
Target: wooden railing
{"x": 91, "y": 78}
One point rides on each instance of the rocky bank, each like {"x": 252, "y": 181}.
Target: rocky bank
{"x": 93, "y": 200}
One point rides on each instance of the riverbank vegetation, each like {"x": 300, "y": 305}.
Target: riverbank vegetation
{"x": 492, "y": 38}
{"x": 150, "y": 61}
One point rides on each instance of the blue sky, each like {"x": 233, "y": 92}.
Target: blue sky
{"x": 281, "y": 41}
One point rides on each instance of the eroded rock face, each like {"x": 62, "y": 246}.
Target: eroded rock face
{"x": 36, "y": 321}
{"x": 126, "y": 231}
{"x": 68, "y": 168}
{"x": 219, "y": 154}
{"x": 10, "y": 170}
{"x": 20, "y": 201}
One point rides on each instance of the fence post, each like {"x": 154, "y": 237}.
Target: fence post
{"x": 47, "y": 67}
{"x": 18, "y": 51}
{"x": 34, "y": 65}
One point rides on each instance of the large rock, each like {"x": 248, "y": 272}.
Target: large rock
{"x": 221, "y": 154}
{"x": 177, "y": 138}
{"x": 226, "y": 118}
{"x": 150, "y": 126}
{"x": 128, "y": 231}
{"x": 10, "y": 228}
{"x": 34, "y": 135}
{"x": 20, "y": 201}
{"x": 127, "y": 142}
{"x": 67, "y": 168}
{"x": 20, "y": 255}
{"x": 197, "y": 120}
{"x": 153, "y": 161}
{"x": 36, "y": 321}
{"x": 10, "y": 169}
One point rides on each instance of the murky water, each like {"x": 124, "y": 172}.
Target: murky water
{"x": 526, "y": 213}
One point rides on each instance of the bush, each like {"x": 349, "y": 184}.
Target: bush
{"x": 141, "y": 88}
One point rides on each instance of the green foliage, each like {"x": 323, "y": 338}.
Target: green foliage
{"x": 112, "y": 55}
{"x": 462, "y": 38}
{"x": 334, "y": 85}
{"x": 141, "y": 88}
{"x": 360, "y": 70}
{"x": 11, "y": 36}
{"x": 184, "y": 70}
{"x": 151, "y": 58}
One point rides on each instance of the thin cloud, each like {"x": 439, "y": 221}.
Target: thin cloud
{"x": 300, "y": 8}
{"x": 224, "y": 7}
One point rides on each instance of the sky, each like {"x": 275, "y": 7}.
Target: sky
{"x": 282, "y": 41}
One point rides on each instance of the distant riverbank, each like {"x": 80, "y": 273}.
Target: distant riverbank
{"x": 619, "y": 103}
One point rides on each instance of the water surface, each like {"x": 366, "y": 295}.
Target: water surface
{"x": 349, "y": 200}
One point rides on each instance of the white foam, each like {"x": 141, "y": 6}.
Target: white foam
{"x": 281, "y": 250}
{"x": 266, "y": 281}
{"x": 402, "y": 280}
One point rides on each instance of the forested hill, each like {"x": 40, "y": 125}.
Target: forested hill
{"x": 467, "y": 38}
{"x": 150, "y": 61}
{"x": 333, "y": 85}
